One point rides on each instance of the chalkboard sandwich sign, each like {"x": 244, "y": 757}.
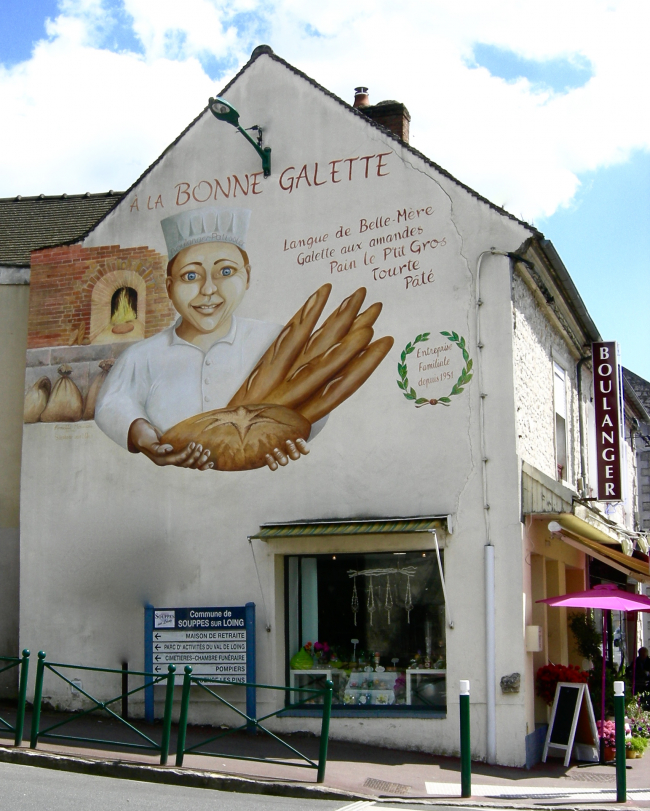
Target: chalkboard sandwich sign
{"x": 572, "y": 723}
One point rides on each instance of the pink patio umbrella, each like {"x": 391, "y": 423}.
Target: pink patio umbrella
{"x": 608, "y": 597}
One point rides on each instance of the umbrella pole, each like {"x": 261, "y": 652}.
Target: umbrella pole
{"x": 602, "y": 690}
{"x": 634, "y": 654}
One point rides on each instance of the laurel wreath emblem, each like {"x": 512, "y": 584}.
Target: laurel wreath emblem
{"x": 463, "y": 378}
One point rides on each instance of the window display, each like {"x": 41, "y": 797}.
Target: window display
{"x": 372, "y": 623}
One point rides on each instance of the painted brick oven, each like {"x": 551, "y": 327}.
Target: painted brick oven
{"x": 72, "y": 287}
{"x": 72, "y": 299}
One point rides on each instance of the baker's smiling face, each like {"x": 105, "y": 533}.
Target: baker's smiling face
{"x": 206, "y": 284}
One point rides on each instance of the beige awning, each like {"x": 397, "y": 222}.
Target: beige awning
{"x": 637, "y": 569}
{"x": 368, "y": 527}
{"x": 584, "y": 523}
{"x": 543, "y": 497}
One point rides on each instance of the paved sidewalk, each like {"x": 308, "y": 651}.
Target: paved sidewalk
{"x": 354, "y": 771}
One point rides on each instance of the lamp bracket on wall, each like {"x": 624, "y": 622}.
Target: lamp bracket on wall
{"x": 222, "y": 110}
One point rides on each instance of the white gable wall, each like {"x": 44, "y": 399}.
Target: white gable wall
{"x": 105, "y": 531}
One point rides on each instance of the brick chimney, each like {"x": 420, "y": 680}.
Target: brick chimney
{"x": 391, "y": 114}
{"x": 361, "y": 97}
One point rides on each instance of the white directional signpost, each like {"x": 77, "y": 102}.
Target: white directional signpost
{"x": 216, "y": 641}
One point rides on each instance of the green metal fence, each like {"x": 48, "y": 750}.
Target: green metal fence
{"x": 8, "y": 663}
{"x": 254, "y": 724}
{"x": 149, "y": 678}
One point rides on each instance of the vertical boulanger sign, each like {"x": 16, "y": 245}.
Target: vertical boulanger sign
{"x": 608, "y": 420}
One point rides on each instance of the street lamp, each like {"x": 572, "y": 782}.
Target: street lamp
{"x": 222, "y": 110}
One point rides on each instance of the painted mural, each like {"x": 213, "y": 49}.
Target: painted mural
{"x": 272, "y": 382}
{"x": 256, "y": 391}
{"x": 216, "y": 323}
{"x": 273, "y": 385}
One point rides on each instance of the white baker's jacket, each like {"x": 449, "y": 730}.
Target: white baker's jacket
{"x": 165, "y": 379}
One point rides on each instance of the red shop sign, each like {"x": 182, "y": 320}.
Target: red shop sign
{"x": 608, "y": 420}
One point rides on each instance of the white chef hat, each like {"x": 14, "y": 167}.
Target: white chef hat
{"x": 205, "y": 225}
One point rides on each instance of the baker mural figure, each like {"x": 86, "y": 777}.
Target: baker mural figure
{"x": 218, "y": 391}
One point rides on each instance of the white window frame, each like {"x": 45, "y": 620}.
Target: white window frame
{"x": 561, "y": 412}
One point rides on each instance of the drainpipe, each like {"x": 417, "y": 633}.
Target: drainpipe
{"x": 581, "y": 426}
{"x": 490, "y": 641}
{"x": 490, "y": 656}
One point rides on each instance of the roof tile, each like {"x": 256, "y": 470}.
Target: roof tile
{"x": 28, "y": 223}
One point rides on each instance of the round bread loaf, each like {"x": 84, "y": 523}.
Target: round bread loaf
{"x": 239, "y": 438}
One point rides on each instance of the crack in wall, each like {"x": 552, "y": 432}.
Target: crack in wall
{"x": 468, "y": 328}
{"x": 451, "y": 206}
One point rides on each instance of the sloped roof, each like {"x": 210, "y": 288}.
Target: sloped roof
{"x": 68, "y": 219}
{"x": 639, "y": 386}
{"x": 27, "y": 223}
{"x": 268, "y": 51}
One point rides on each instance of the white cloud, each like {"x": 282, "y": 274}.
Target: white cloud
{"x": 84, "y": 117}
{"x": 170, "y": 28}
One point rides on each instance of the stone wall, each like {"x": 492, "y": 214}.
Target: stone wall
{"x": 537, "y": 345}
{"x": 643, "y": 461}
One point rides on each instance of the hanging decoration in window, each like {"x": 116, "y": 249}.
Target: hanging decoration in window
{"x": 370, "y": 601}
{"x": 388, "y": 604}
{"x": 407, "y": 571}
{"x": 408, "y": 600}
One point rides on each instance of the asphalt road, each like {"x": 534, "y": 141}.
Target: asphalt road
{"x": 28, "y": 788}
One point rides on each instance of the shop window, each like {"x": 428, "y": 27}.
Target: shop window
{"x": 559, "y": 392}
{"x": 372, "y": 623}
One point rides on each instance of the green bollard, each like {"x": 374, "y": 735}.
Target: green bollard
{"x": 325, "y": 731}
{"x": 22, "y": 698}
{"x": 619, "y": 716}
{"x": 38, "y": 698}
{"x": 465, "y": 743}
{"x": 182, "y": 721}
{"x": 167, "y": 717}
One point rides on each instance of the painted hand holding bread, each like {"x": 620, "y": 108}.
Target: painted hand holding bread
{"x": 242, "y": 438}
{"x": 301, "y": 377}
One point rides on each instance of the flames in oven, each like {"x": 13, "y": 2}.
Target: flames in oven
{"x": 118, "y": 307}
{"x": 124, "y": 306}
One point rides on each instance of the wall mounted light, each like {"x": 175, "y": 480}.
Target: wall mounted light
{"x": 222, "y": 110}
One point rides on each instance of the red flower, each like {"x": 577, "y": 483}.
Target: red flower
{"x": 549, "y": 675}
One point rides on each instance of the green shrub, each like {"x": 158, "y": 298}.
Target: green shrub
{"x": 638, "y": 745}
{"x": 588, "y": 639}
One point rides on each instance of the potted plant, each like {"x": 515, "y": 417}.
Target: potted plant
{"x": 639, "y": 719}
{"x": 636, "y": 746}
{"x": 607, "y": 731}
{"x": 322, "y": 651}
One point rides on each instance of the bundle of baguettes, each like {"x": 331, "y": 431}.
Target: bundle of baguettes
{"x": 301, "y": 377}
{"x": 314, "y": 372}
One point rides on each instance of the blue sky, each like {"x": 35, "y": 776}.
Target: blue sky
{"x": 603, "y": 237}
{"x": 19, "y": 30}
{"x": 558, "y": 75}
{"x": 539, "y": 112}
{"x": 603, "y": 234}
